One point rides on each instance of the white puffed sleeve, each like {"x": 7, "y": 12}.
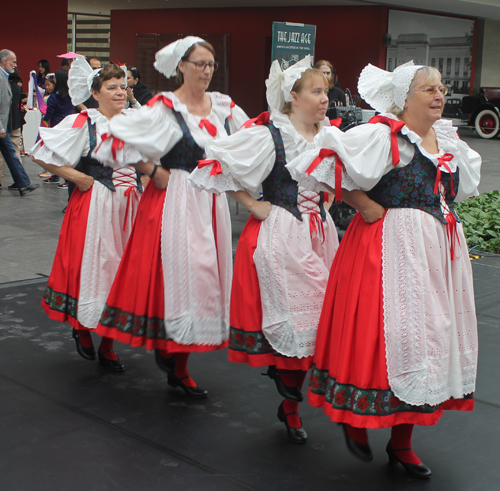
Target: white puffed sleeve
{"x": 365, "y": 153}
{"x": 245, "y": 158}
{"x": 151, "y": 130}
{"x": 62, "y": 145}
{"x": 238, "y": 117}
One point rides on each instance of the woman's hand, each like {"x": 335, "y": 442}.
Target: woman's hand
{"x": 260, "y": 209}
{"x": 130, "y": 94}
{"x": 161, "y": 178}
{"x": 84, "y": 182}
{"x": 372, "y": 212}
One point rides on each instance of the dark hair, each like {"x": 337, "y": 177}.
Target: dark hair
{"x": 187, "y": 54}
{"x": 107, "y": 73}
{"x": 61, "y": 83}
{"x": 46, "y": 65}
{"x": 65, "y": 62}
{"x": 135, "y": 73}
{"x": 93, "y": 58}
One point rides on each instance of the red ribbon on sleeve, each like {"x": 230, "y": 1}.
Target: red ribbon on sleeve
{"x": 116, "y": 144}
{"x": 262, "y": 118}
{"x": 161, "y": 98}
{"x": 231, "y": 106}
{"x": 212, "y": 130}
{"x": 339, "y": 167}
{"x": 395, "y": 127}
{"x": 442, "y": 163}
{"x": 80, "y": 120}
{"x": 336, "y": 122}
{"x": 216, "y": 169}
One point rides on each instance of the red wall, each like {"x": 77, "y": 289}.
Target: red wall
{"x": 349, "y": 37}
{"x": 34, "y": 30}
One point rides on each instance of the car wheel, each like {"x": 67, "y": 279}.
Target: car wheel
{"x": 487, "y": 124}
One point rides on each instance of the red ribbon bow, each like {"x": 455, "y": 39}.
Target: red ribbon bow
{"x": 116, "y": 145}
{"x": 336, "y": 122}
{"x": 395, "y": 127}
{"x": 262, "y": 118}
{"x": 161, "y": 98}
{"x": 339, "y": 167}
{"x": 442, "y": 163}
{"x": 216, "y": 169}
{"x": 212, "y": 130}
{"x": 80, "y": 120}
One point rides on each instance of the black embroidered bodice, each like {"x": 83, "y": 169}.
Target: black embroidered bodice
{"x": 279, "y": 188}
{"x": 412, "y": 186}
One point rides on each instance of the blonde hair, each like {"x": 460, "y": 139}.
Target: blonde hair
{"x": 309, "y": 74}
{"x": 430, "y": 73}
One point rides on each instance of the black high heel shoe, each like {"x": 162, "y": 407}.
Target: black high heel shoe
{"x": 165, "y": 364}
{"x": 197, "y": 392}
{"x": 296, "y": 435}
{"x": 363, "y": 452}
{"x": 291, "y": 393}
{"x": 113, "y": 365}
{"x": 87, "y": 353}
{"x": 416, "y": 470}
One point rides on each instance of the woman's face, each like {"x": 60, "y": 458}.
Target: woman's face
{"x": 327, "y": 71}
{"x": 49, "y": 87}
{"x": 194, "y": 77}
{"x": 131, "y": 81}
{"x": 41, "y": 70}
{"x": 427, "y": 102}
{"x": 311, "y": 102}
{"x": 112, "y": 95}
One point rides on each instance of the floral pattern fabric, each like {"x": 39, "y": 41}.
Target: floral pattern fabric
{"x": 60, "y": 302}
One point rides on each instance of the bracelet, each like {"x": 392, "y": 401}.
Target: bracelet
{"x": 153, "y": 172}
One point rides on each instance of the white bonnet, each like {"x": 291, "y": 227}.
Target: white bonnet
{"x": 168, "y": 57}
{"x": 380, "y": 89}
{"x": 280, "y": 83}
{"x": 80, "y": 78}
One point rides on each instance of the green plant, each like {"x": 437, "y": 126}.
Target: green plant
{"x": 480, "y": 217}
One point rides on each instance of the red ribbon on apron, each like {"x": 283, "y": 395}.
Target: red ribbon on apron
{"x": 216, "y": 169}
{"x": 395, "y": 127}
{"x": 212, "y": 130}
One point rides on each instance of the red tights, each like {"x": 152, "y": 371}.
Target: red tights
{"x": 181, "y": 370}
{"x": 293, "y": 378}
{"x": 106, "y": 346}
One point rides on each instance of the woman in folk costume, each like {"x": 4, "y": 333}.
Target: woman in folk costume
{"x": 288, "y": 244}
{"x": 172, "y": 290}
{"x": 100, "y": 213}
{"x": 397, "y": 339}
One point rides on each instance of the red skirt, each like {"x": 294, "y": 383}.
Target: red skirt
{"x": 134, "y": 312}
{"x": 60, "y": 299}
{"x": 247, "y": 343}
{"x": 349, "y": 379}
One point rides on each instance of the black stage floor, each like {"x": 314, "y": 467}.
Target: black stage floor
{"x": 67, "y": 425}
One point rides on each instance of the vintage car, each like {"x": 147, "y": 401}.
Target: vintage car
{"x": 481, "y": 112}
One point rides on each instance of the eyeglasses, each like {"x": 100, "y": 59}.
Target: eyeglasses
{"x": 431, "y": 91}
{"x": 201, "y": 65}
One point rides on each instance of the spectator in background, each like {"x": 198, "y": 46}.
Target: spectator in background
{"x": 43, "y": 71}
{"x": 90, "y": 103}
{"x": 8, "y": 62}
{"x": 140, "y": 91}
{"x": 59, "y": 106}
{"x": 50, "y": 87}
{"x": 17, "y": 112}
{"x": 66, "y": 64}
{"x": 335, "y": 95}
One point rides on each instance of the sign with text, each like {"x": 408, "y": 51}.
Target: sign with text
{"x": 292, "y": 42}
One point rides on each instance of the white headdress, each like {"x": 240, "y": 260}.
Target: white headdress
{"x": 280, "y": 84}
{"x": 168, "y": 57}
{"x": 381, "y": 89}
{"x": 80, "y": 78}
